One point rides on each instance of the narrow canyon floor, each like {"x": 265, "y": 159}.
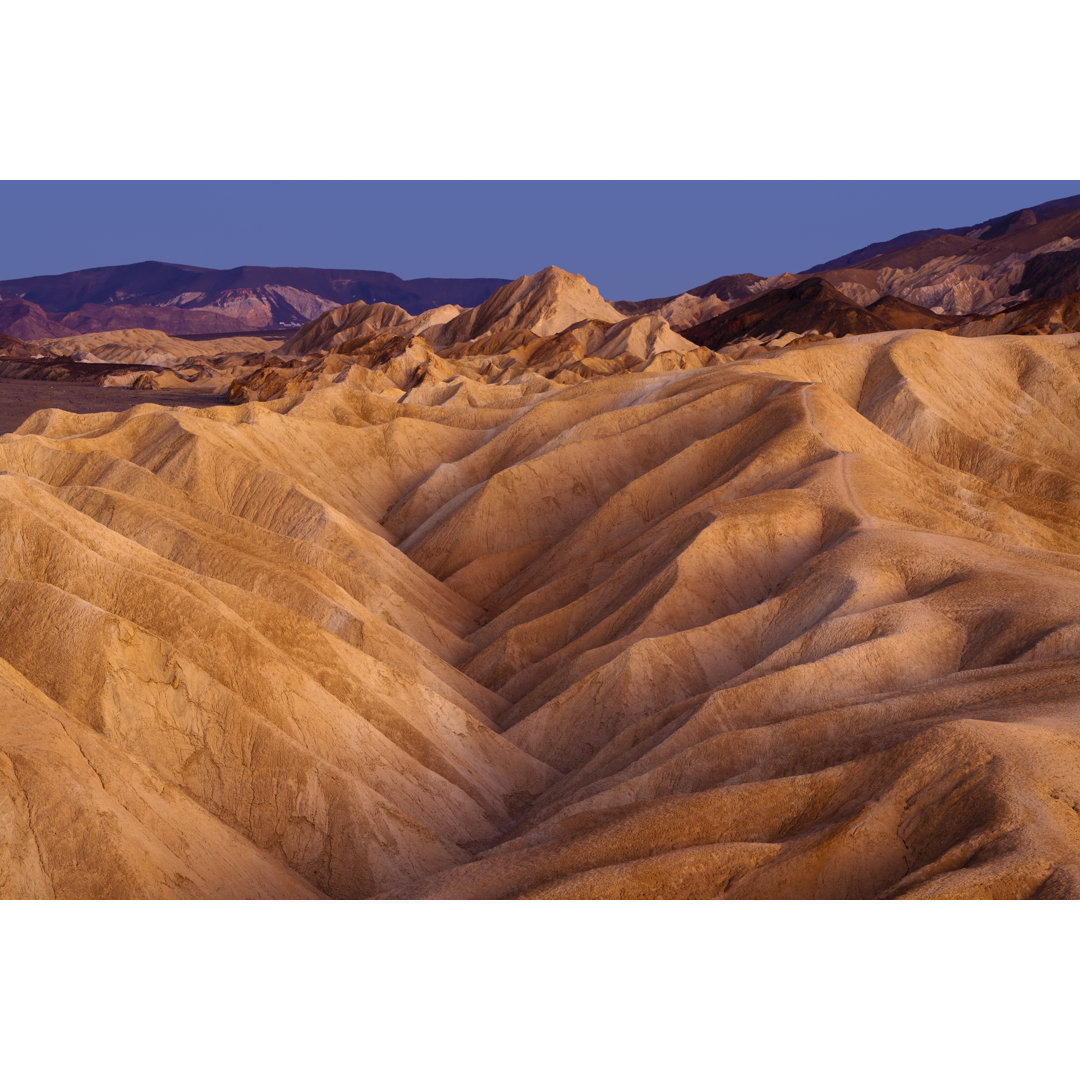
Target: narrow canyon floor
{"x": 800, "y": 626}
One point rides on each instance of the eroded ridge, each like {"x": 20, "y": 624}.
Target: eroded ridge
{"x": 802, "y": 626}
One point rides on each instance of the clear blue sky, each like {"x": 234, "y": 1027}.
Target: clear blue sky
{"x": 632, "y": 239}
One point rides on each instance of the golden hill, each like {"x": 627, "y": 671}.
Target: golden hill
{"x": 148, "y": 347}
{"x": 429, "y": 621}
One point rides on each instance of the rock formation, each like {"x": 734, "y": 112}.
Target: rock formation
{"x": 193, "y": 299}
{"x": 797, "y": 626}
{"x": 540, "y": 598}
{"x": 980, "y": 269}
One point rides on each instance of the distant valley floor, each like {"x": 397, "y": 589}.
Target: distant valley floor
{"x": 20, "y": 398}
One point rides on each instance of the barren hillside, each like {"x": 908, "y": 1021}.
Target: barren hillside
{"x": 552, "y": 602}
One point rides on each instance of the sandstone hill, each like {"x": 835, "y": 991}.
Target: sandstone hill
{"x": 352, "y": 321}
{"x": 547, "y": 600}
{"x": 14, "y": 348}
{"x": 147, "y": 347}
{"x": 551, "y": 323}
{"x": 143, "y": 359}
{"x": 540, "y": 305}
{"x": 543, "y": 304}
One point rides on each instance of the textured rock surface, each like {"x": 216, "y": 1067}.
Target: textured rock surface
{"x": 806, "y": 625}
{"x": 148, "y": 347}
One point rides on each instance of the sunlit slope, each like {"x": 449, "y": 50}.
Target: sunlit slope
{"x": 207, "y": 612}
{"x": 805, "y": 626}
{"x": 790, "y": 638}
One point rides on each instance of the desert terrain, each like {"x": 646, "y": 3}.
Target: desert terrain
{"x": 976, "y": 270}
{"x": 543, "y": 597}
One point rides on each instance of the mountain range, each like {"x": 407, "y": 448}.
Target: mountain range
{"x": 193, "y": 299}
{"x": 978, "y": 269}
{"x": 982, "y": 269}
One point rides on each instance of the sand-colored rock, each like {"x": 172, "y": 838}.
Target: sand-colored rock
{"x": 544, "y": 303}
{"x": 686, "y": 310}
{"x": 149, "y": 347}
{"x": 507, "y": 617}
{"x": 358, "y": 322}
{"x": 381, "y": 348}
{"x": 342, "y": 324}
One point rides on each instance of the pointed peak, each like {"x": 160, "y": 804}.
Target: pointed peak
{"x": 544, "y": 303}
{"x": 555, "y": 278}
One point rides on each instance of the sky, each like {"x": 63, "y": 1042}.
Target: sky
{"x": 632, "y": 239}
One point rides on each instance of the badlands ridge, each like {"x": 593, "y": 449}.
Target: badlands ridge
{"x": 539, "y": 598}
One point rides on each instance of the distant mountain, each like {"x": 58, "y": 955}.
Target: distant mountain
{"x": 1031, "y": 253}
{"x": 982, "y": 269}
{"x": 1028, "y": 254}
{"x": 986, "y": 230}
{"x": 26, "y": 320}
{"x": 192, "y": 299}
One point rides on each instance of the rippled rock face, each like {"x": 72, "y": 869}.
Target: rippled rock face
{"x": 514, "y": 619}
